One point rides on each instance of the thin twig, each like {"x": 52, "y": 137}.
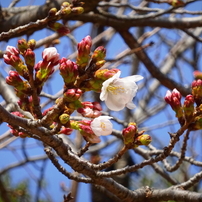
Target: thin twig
{"x": 63, "y": 170}
{"x": 84, "y": 149}
{"x": 182, "y": 155}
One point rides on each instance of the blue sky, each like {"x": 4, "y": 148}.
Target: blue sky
{"x": 11, "y": 154}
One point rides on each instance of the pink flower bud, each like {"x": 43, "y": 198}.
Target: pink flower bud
{"x": 105, "y": 74}
{"x": 63, "y": 30}
{"x": 188, "y": 106}
{"x": 189, "y": 100}
{"x": 197, "y": 91}
{"x": 66, "y": 131}
{"x": 14, "y": 79}
{"x": 85, "y": 45}
{"x": 12, "y": 58}
{"x": 11, "y": 50}
{"x": 99, "y": 54}
{"x": 50, "y": 55}
{"x": 86, "y": 129}
{"x": 83, "y": 52}
{"x": 129, "y": 134}
{"x": 59, "y": 28}
{"x": 176, "y": 94}
{"x": 197, "y": 83}
{"x": 97, "y": 106}
{"x": 72, "y": 95}
{"x": 29, "y": 57}
{"x": 68, "y": 70}
{"x": 90, "y": 110}
{"x": 88, "y": 134}
{"x": 43, "y": 70}
{"x": 173, "y": 98}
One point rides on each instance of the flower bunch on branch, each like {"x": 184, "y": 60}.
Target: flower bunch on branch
{"x": 191, "y": 110}
{"x": 87, "y": 73}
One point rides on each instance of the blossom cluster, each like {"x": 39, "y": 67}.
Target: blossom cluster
{"x": 84, "y": 74}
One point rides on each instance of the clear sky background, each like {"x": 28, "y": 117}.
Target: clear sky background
{"x": 54, "y": 178}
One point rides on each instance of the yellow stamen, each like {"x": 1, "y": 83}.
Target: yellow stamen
{"x": 103, "y": 126}
{"x": 115, "y": 89}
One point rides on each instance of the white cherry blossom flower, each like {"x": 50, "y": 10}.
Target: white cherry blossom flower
{"x": 102, "y": 126}
{"x": 119, "y": 92}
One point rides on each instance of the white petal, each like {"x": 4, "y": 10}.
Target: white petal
{"x": 134, "y": 78}
{"x": 130, "y": 105}
{"x": 104, "y": 92}
{"x": 102, "y": 126}
{"x": 115, "y": 103}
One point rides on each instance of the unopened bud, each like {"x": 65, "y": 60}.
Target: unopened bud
{"x": 66, "y": 131}
{"x": 188, "y": 106}
{"x": 77, "y": 10}
{"x": 143, "y": 140}
{"x": 64, "y": 118}
{"x": 174, "y": 100}
{"x": 72, "y": 95}
{"x": 83, "y": 52}
{"x": 22, "y": 45}
{"x": 59, "y": 28}
{"x": 65, "y": 4}
{"x": 99, "y": 54}
{"x": 29, "y": 57}
{"x": 68, "y": 70}
{"x": 31, "y": 43}
{"x": 197, "y": 91}
{"x": 105, "y": 74}
{"x": 129, "y": 134}
{"x": 66, "y": 11}
{"x": 52, "y": 12}
{"x": 176, "y": 3}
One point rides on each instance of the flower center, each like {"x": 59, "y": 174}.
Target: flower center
{"x": 115, "y": 90}
{"x": 102, "y": 126}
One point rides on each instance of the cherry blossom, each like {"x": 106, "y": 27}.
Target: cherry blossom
{"x": 101, "y": 126}
{"x": 119, "y": 92}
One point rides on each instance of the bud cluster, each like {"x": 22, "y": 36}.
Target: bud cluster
{"x": 55, "y": 15}
{"x": 191, "y": 109}
{"x": 132, "y": 138}
{"x": 29, "y": 78}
